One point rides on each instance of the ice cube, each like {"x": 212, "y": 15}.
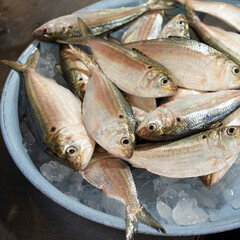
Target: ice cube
{"x": 112, "y": 206}
{"x": 165, "y": 212}
{"x": 187, "y": 212}
{"x": 54, "y": 171}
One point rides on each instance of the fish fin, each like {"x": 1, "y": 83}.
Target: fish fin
{"x": 16, "y": 65}
{"x": 131, "y": 225}
{"x": 32, "y": 61}
{"x": 154, "y": 5}
{"x": 59, "y": 68}
{"x": 132, "y": 217}
{"x": 145, "y": 217}
{"x": 19, "y": 67}
{"x": 215, "y": 125}
{"x": 84, "y": 28}
{"x": 84, "y": 57}
{"x": 191, "y": 14}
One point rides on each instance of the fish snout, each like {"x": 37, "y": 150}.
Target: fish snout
{"x": 41, "y": 34}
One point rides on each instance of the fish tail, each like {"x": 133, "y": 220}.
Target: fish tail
{"x": 145, "y": 217}
{"x": 19, "y": 67}
{"x": 132, "y": 217}
{"x": 190, "y": 12}
{"x": 154, "y": 5}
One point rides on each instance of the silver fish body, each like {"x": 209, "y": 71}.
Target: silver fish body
{"x": 56, "y": 114}
{"x": 188, "y": 115}
{"x": 196, "y": 155}
{"x": 210, "y": 69}
{"x": 114, "y": 177}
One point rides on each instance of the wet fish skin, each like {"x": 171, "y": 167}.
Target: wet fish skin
{"x": 114, "y": 177}
{"x": 74, "y": 71}
{"x": 99, "y": 21}
{"x": 188, "y": 115}
{"x": 210, "y": 69}
{"x": 226, "y": 12}
{"x": 193, "y": 156}
{"x": 57, "y": 115}
{"x": 181, "y": 92}
{"x": 149, "y": 79}
{"x": 113, "y": 125}
{"x": 214, "y": 178}
{"x": 224, "y": 41}
{"x": 145, "y": 27}
{"x": 176, "y": 27}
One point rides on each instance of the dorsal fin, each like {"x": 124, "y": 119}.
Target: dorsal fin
{"x": 84, "y": 28}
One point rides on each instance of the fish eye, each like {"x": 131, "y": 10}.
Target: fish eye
{"x": 181, "y": 22}
{"x": 164, "y": 80}
{"x": 125, "y": 141}
{"x": 46, "y": 30}
{"x": 235, "y": 70}
{"x": 152, "y": 127}
{"x": 71, "y": 151}
{"x": 231, "y": 131}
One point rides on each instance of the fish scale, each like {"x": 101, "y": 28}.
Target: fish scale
{"x": 196, "y": 155}
{"x": 189, "y": 114}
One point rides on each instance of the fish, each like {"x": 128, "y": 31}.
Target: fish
{"x": 145, "y": 104}
{"x": 139, "y": 115}
{"x": 114, "y": 177}
{"x": 106, "y": 114}
{"x": 188, "y": 115}
{"x": 181, "y": 92}
{"x": 55, "y": 116}
{"x": 232, "y": 119}
{"x": 226, "y": 12}
{"x": 131, "y": 71}
{"x": 176, "y": 27}
{"x": 145, "y": 27}
{"x": 74, "y": 71}
{"x": 226, "y": 42}
{"x": 214, "y": 178}
{"x": 210, "y": 69}
{"x": 193, "y": 156}
{"x": 99, "y": 21}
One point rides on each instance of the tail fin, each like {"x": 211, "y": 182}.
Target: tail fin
{"x": 19, "y": 67}
{"x": 191, "y": 14}
{"x": 132, "y": 217}
{"x": 145, "y": 217}
{"x": 154, "y": 5}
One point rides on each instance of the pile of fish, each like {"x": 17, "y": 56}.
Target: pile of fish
{"x": 155, "y": 99}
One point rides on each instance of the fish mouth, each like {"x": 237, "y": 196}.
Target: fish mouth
{"x": 40, "y": 35}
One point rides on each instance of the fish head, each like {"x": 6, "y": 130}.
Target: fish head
{"x": 230, "y": 137}
{"x": 74, "y": 147}
{"x": 178, "y": 27}
{"x": 119, "y": 139}
{"x": 57, "y": 29}
{"x": 231, "y": 74}
{"x": 157, "y": 83}
{"x": 156, "y": 124}
{"x": 181, "y": 26}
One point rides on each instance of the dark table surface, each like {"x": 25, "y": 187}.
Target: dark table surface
{"x": 25, "y": 213}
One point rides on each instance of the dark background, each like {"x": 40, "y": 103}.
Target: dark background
{"x": 25, "y": 213}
